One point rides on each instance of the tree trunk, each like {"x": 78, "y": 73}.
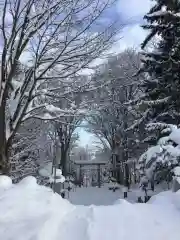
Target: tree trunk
{"x": 127, "y": 183}
{"x": 4, "y": 161}
{"x": 4, "y": 158}
{"x": 63, "y": 161}
{"x": 125, "y": 145}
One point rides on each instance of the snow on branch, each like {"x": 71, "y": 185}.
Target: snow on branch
{"x": 139, "y": 121}
{"x": 154, "y": 103}
{"x": 161, "y": 126}
{"x": 164, "y": 156}
{"x": 45, "y": 45}
{"x": 162, "y": 13}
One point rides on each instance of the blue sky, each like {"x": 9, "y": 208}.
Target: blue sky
{"x": 132, "y": 12}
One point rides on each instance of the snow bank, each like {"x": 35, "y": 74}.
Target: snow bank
{"x": 32, "y": 212}
{"x": 5, "y": 182}
{"x": 29, "y": 211}
{"x": 167, "y": 199}
{"x": 135, "y": 221}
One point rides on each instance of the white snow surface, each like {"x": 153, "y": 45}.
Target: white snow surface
{"x": 164, "y": 152}
{"x": 177, "y": 171}
{"x": 5, "y": 182}
{"x": 33, "y": 212}
{"x": 175, "y": 136}
{"x": 50, "y": 173}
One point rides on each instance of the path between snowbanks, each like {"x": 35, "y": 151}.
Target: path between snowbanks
{"x": 32, "y": 212}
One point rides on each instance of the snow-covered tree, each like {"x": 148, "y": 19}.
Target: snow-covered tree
{"x": 160, "y": 65}
{"x": 112, "y": 116}
{"x": 66, "y": 125}
{"x": 31, "y": 148}
{"x": 65, "y": 136}
{"x": 107, "y": 122}
{"x": 158, "y": 162}
{"x": 82, "y": 153}
{"x": 45, "y": 42}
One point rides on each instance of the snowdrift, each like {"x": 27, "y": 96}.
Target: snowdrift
{"x": 32, "y": 212}
{"x": 29, "y": 211}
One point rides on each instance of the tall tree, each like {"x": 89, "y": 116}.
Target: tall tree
{"x": 54, "y": 39}
{"x": 113, "y": 117}
{"x": 160, "y": 101}
{"x": 120, "y": 86}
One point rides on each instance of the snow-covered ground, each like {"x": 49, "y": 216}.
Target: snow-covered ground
{"x": 93, "y": 196}
{"x": 103, "y": 196}
{"x": 32, "y": 212}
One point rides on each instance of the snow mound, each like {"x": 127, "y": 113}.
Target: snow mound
{"x": 28, "y": 181}
{"x": 167, "y": 199}
{"x": 29, "y": 211}
{"x": 121, "y": 201}
{"x": 5, "y": 182}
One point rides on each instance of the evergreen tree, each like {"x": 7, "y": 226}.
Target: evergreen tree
{"x": 161, "y": 98}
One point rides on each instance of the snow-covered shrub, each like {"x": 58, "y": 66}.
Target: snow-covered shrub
{"x": 176, "y": 179}
{"x": 157, "y": 163}
{"x": 51, "y": 174}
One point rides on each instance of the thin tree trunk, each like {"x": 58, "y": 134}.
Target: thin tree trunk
{"x": 63, "y": 161}
{"x": 4, "y": 159}
{"x": 125, "y": 146}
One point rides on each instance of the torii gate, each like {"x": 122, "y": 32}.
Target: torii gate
{"x": 82, "y": 163}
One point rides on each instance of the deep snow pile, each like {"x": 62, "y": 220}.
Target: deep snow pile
{"x": 29, "y": 211}
{"x": 33, "y": 212}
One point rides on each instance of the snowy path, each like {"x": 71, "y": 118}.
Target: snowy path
{"x": 93, "y": 195}
{"x": 111, "y": 217}
{"x": 100, "y": 196}
{"x": 104, "y": 196}
{"x": 124, "y": 222}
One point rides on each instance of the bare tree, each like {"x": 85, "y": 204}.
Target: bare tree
{"x": 50, "y": 41}
{"x": 118, "y": 72}
{"x": 113, "y": 117}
